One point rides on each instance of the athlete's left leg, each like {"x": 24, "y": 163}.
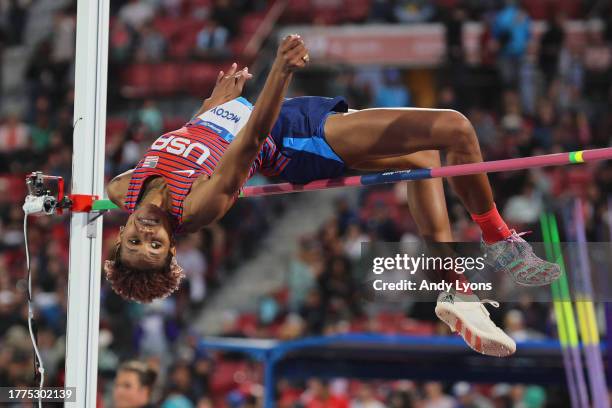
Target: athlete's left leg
{"x": 366, "y": 135}
{"x": 425, "y": 197}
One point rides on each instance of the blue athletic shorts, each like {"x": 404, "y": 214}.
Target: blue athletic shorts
{"x": 299, "y": 135}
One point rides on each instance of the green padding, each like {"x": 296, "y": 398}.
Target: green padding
{"x": 100, "y": 205}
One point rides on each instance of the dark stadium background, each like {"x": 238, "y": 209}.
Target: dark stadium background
{"x": 525, "y": 95}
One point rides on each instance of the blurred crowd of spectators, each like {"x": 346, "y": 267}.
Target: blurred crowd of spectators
{"x": 525, "y": 97}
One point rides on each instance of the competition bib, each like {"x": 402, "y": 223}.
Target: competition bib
{"x": 227, "y": 119}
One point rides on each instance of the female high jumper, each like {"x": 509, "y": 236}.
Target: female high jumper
{"x": 190, "y": 178}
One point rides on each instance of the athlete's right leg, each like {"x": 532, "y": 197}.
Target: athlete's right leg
{"x": 462, "y": 311}
{"x": 373, "y": 134}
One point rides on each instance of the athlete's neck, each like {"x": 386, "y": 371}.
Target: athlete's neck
{"x": 156, "y": 193}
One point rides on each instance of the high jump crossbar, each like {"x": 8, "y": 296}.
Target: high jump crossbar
{"x": 556, "y": 159}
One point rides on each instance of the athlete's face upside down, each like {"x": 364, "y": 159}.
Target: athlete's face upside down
{"x": 143, "y": 266}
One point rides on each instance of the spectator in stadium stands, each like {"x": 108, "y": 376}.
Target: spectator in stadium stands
{"x": 41, "y": 133}
{"x": 525, "y": 208}
{"x": 392, "y": 93}
{"x": 224, "y": 14}
{"x": 356, "y": 94}
{"x": 312, "y": 314}
{"x": 571, "y": 75}
{"x": 194, "y": 265}
{"x": 151, "y": 44}
{"x": 134, "y": 385}
{"x": 151, "y": 117}
{"x": 365, "y": 398}
{"x": 597, "y": 63}
{"x": 382, "y": 12}
{"x": 512, "y": 30}
{"x": 485, "y": 127}
{"x": 181, "y": 392}
{"x": 14, "y": 13}
{"x": 338, "y": 289}
{"x": 353, "y": 240}
{"x": 120, "y": 42}
{"x": 15, "y": 138}
{"x": 454, "y": 35}
{"x": 514, "y": 325}
{"x": 172, "y": 8}
{"x": 468, "y": 397}
{"x": 550, "y": 47}
{"x": 435, "y": 396}
{"x": 381, "y": 225}
{"x": 301, "y": 278}
{"x": 211, "y": 41}
{"x": 401, "y": 399}
{"x": 318, "y": 395}
{"x": 136, "y": 13}
{"x": 204, "y": 402}
{"x": 64, "y": 43}
{"x": 414, "y": 11}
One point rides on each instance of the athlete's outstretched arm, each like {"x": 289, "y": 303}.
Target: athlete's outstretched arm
{"x": 228, "y": 86}
{"x": 210, "y": 200}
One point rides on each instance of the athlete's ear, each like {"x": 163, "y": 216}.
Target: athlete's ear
{"x": 119, "y": 235}
{"x": 173, "y": 249}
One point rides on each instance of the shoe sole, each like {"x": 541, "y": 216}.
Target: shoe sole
{"x": 473, "y": 337}
{"x": 538, "y": 284}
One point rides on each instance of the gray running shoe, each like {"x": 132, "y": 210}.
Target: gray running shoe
{"x": 515, "y": 257}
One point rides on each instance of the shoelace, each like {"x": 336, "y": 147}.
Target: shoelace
{"x": 493, "y": 303}
{"x": 515, "y": 236}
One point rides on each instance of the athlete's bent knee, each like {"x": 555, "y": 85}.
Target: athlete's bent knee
{"x": 458, "y": 129}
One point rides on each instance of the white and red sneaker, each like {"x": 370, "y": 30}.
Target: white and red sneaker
{"x": 467, "y": 316}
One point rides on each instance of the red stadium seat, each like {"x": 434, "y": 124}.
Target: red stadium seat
{"x": 115, "y": 125}
{"x": 174, "y": 123}
{"x": 247, "y": 323}
{"x": 327, "y": 16}
{"x": 224, "y": 374}
{"x": 12, "y": 188}
{"x": 238, "y": 44}
{"x": 168, "y": 78}
{"x": 200, "y": 77}
{"x": 358, "y": 11}
{"x": 251, "y": 22}
{"x": 136, "y": 79}
{"x": 168, "y": 27}
{"x": 298, "y": 11}
{"x": 185, "y": 41}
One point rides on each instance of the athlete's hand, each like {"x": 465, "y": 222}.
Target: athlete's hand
{"x": 292, "y": 53}
{"x": 229, "y": 85}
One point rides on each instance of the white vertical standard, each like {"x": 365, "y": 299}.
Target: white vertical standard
{"x": 91, "y": 69}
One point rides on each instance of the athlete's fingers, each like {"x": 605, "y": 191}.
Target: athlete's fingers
{"x": 293, "y": 45}
{"x": 232, "y": 70}
{"x": 297, "y": 53}
{"x": 289, "y": 42}
{"x": 243, "y": 78}
{"x": 219, "y": 76}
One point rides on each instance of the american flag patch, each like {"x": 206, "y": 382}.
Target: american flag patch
{"x": 150, "y": 162}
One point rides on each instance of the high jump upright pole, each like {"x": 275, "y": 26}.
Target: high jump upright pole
{"x": 91, "y": 69}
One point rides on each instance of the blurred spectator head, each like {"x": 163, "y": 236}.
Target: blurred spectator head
{"x": 133, "y": 385}
{"x": 143, "y": 266}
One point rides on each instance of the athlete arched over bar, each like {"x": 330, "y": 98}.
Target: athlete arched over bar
{"x": 190, "y": 177}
